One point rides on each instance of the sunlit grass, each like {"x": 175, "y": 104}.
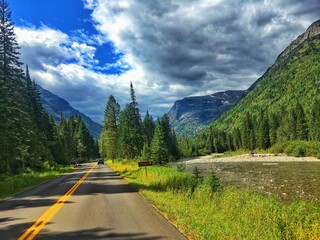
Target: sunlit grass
{"x": 228, "y": 214}
{"x": 11, "y": 184}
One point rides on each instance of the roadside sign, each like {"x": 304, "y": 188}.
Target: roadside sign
{"x": 145, "y": 164}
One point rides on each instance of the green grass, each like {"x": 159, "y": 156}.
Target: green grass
{"x": 11, "y": 184}
{"x": 232, "y": 153}
{"x": 229, "y": 213}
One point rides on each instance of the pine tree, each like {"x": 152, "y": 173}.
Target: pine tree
{"x": 314, "y": 125}
{"x": 273, "y": 128}
{"x": 236, "y": 138}
{"x": 159, "y": 148}
{"x": 131, "y": 129}
{"x": 149, "y": 127}
{"x": 110, "y": 131}
{"x": 263, "y": 131}
{"x": 10, "y": 65}
{"x": 170, "y": 138}
{"x": 130, "y": 134}
{"x": 301, "y": 124}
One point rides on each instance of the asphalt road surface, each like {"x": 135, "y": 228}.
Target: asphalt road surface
{"x": 91, "y": 203}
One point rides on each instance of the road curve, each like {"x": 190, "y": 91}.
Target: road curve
{"x": 102, "y": 207}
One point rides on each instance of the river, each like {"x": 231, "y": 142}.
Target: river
{"x": 288, "y": 180}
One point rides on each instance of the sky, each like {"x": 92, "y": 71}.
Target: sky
{"x": 86, "y": 50}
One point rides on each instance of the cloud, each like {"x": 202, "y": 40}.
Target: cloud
{"x": 169, "y": 49}
{"x": 200, "y": 43}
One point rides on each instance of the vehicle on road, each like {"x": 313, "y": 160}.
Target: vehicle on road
{"x": 100, "y": 161}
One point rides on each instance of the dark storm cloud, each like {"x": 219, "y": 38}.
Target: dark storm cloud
{"x": 193, "y": 42}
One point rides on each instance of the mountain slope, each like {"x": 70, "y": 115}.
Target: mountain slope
{"x": 189, "y": 115}
{"x": 293, "y": 79}
{"x": 57, "y": 106}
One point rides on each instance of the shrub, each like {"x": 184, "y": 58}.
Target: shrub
{"x": 213, "y": 182}
{"x": 299, "y": 151}
{"x": 181, "y": 167}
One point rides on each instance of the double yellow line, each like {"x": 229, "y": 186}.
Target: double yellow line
{"x": 42, "y": 221}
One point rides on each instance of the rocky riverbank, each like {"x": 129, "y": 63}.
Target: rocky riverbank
{"x": 248, "y": 158}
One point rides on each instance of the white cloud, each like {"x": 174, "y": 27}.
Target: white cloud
{"x": 89, "y": 4}
{"x": 43, "y": 36}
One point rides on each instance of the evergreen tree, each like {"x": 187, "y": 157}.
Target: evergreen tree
{"x": 130, "y": 134}
{"x": 149, "y": 127}
{"x": 10, "y": 64}
{"x": 236, "y": 138}
{"x": 159, "y": 147}
{"x": 170, "y": 138}
{"x": 314, "y": 125}
{"x": 301, "y": 123}
{"x": 134, "y": 102}
{"x": 247, "y": 133}
{"x": 273, "y": 128}
{"x": 110, "y": 131}
{"x": 131, "y": 129}
{"x": 209, "y": 142}
{"x": 263, "y": 131}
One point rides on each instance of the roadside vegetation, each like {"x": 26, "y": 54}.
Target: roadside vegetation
{"x": 14, "y": 183}
{"x": 203, "y": 209}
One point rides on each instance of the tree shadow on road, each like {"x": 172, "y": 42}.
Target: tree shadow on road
{"x": 96, "y": 233}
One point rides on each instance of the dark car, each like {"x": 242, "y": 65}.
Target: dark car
{"x": 100, "y": 161}
{"x": 75, "y": 163}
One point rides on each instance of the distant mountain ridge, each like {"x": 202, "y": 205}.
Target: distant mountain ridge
{"x": 57, "y": 106}
{"x": 189, "y": 115}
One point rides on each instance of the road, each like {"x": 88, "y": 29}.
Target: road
{"x": 101, "y": 206}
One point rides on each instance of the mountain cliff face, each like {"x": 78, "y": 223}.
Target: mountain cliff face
{"x": 56, "y": 106}
{"x": 191, "y": 114}
{"x": 311, "y": 32}
{"x": 294, "y": 79}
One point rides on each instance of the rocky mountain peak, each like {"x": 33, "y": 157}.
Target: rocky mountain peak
{"x": 312, "y": 31}
{"x": 191, "y": 114}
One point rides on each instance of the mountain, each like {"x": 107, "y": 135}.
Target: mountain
{"x": 280, "y": 110}
{"x": 294, "y": 79}
{"x": 57, "y": 106}
{"x": 189, "y": 115}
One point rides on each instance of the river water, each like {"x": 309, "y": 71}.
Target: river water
{"x": 288, "y": 180}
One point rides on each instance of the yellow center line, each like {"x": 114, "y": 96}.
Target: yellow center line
{"x": 42, "y": 221}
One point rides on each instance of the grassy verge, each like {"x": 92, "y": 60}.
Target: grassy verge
{"x": 11, "y": 184}
{"x": 201, "y": 213}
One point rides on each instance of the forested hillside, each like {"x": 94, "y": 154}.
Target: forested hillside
{"x": 283, "y": 105}
{"x": 57, "y": 107}
{"x": 29, "y": 137}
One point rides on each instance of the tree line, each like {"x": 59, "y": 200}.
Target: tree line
{"x": 28, "y": 134}
{"x": 126, "y": 135}
{"x": 261, "y": 129}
